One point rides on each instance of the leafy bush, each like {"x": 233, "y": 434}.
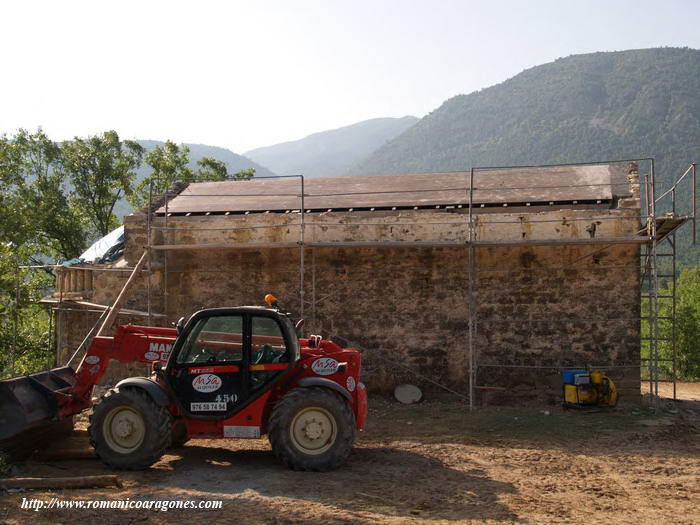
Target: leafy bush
{"x": 687, "y": 330}
{"x": 24, "y": 324}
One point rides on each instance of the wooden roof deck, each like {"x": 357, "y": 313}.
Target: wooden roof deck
{"x": 582, "y": 185}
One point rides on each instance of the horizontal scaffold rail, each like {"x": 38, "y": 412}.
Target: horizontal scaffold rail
{"x": 402, "y": 244}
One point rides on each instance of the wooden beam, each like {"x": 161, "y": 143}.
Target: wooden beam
{"x": 405, "y": 244}
{"x": 81, "y": 482}
{"x": 116, "y": 306}
{"x": 97, "y": 306}
{"x": 66, "y": 454}
{"x": 122, "y": 311}
{"x": 223, "y": 246}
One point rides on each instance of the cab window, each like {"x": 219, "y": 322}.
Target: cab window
{"x": 216, "y": 339}
{"x": 268, "y": 351}
{"x": 268, "y": 344}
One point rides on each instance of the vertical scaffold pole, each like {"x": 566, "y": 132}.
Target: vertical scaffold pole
{"x": 166, "y": 240}
{"x": 15, "y": 323}
{"x": 672, "y": 240}
{"x": 654, "y": 306}
{"x": 313, "y": 290}
{"x": 694, "y": 196}
{"x": 472, "y": 302}
{"x": 150, "y": 253}
{"x": 301, "y": 251}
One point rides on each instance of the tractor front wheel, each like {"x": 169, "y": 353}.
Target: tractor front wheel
{"x": 180, "y": 436}
{"x": 129, "y": 430}
{"x": 312, "y": 429}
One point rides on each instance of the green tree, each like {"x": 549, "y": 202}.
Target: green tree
{"x": 24, "y": 324}
{"x": 687, "y": 327}
{"x": 687, "y": 324}
{"x": 38, "y": 224}
{"x": 58, "y": 226}
{"x": 34, "y": 200}
{"x": 102, "y": 170}
{"x": 12, "y": 209}
{"x": 171, "y": 163}
{"x": 243, "y": 174}
{"x": 213, "y": 169}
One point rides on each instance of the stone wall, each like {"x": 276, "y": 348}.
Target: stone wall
{"x": 535, "y": 307}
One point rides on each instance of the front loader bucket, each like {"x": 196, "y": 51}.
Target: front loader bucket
{"x": 29, "y": 406}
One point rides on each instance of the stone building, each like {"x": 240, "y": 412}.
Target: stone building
{"x": 540, "y": 272}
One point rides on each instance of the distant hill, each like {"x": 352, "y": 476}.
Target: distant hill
{"x": 331, "y": 153}
{"x": 234, "y": 162}
{"x": 598, "y": 106}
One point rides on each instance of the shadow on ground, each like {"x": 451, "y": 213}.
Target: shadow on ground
{"x": 384, "y": 480}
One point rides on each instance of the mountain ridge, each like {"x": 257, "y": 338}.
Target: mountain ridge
{"x": 332, "y": 152}
{"x": 621, "y": 104}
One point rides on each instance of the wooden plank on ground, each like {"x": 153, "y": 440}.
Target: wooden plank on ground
{"x": 81, "y": 482}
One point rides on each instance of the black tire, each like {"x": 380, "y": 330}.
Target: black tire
{"x": 334, "y": 445}
{"x": 155, "y": 428}
{"x": 180, "y": 436}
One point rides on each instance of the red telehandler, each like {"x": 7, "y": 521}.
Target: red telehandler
{"x": 224, "y": 373}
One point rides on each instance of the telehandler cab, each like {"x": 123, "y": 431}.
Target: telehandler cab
{"x": 225, "y": 373}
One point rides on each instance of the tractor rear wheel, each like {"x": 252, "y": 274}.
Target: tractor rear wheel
{"x": 129, "y": 430}
{"x": 312, "y": 429}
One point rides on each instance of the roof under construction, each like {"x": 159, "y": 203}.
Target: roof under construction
{"x": 574, "y": 185}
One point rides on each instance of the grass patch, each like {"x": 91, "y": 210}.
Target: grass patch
{"x": 452, "y": 422}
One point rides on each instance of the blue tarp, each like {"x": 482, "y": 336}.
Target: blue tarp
{"x": 104, "y": 246}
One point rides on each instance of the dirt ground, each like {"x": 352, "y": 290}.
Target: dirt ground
{"x": 433, "y": 462}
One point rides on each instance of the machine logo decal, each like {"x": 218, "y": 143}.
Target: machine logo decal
{"x": 206, "y": 383}
{"x": 162, "y": 349}
{"x": 151, "y": 356}
{"x": 325, "y": 366}
{"x": 350, "y": 383}
{"x": 92, "y": 359}
{"x": 204, "y": 407}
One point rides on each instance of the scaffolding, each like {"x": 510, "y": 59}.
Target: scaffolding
{"x": 657, "y": 231}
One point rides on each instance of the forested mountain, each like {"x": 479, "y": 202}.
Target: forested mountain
{"x": 598, "y": 106}
{"x": 331, "y": 153}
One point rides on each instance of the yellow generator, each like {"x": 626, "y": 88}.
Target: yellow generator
{"x": 586, "y": 389}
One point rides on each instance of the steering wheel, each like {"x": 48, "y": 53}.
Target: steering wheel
{"x": 263, "y": 354}
{"x": 204, "y": 356}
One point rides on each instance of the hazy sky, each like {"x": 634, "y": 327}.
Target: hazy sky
{"x": 244, "y": 74}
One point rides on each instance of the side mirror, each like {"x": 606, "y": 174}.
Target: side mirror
{"x": 298, "y": 326}
{"x": 180, "y": 325}
{"x": 156, "y": 367}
